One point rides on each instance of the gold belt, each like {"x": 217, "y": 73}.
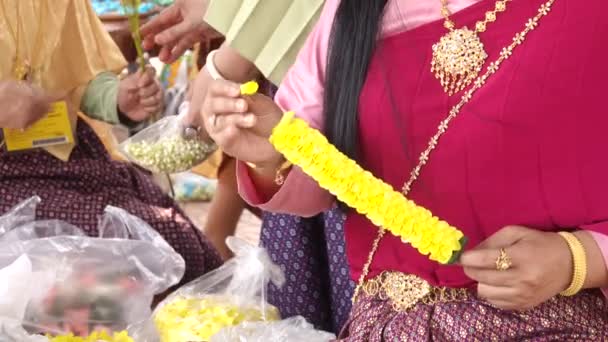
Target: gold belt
{"x": 405, "y": 291}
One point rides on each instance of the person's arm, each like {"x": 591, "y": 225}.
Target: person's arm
{"x": 268, "y": 33}
{"x": 302, "y": 92}
{"x": 234, "y": 67}
{"x": 100, "y": 98}
{"x": 128, "y": 101}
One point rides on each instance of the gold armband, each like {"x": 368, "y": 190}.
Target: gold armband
{"x": 279, "y": 177}
{"x": 579, "y": 261}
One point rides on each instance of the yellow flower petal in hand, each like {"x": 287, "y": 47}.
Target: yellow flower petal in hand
{"x": 249, "y": 88}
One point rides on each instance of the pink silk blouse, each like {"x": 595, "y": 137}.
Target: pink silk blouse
{"x": 562, "y": 158}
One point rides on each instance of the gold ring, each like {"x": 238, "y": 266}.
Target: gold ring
{"x": 503, "y": 262}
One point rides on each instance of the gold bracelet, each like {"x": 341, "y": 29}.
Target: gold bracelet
{"x": 279, "y": 177}
{"x": 579, "y": 261}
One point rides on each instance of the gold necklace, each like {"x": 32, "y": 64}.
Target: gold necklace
{"x": 22, "y": 67}
{"x": 459, "y": 55}
{"x": 505, "y": 54}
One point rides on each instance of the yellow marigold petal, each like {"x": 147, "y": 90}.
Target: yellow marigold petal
{"x": 249, "y": 88}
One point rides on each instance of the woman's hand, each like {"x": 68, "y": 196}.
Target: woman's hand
{"x": 176, "y": 28}
{"x": 22, "y": 104}
{"x": 240, "y": 125}
{"x": 140, "y": 95}
{"x": 231, "y": 66}
{"x": 541, "y": 268}
{"x": 196, "y": 96}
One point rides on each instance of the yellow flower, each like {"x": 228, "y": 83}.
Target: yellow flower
{"x": 249, "y": 88}
{"x": 378, "y": 201}
{"x": 197, "y": 319}
{"x": 96, "y": 336}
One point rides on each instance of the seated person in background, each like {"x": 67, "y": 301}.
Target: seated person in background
{"x": 58, "y": 50}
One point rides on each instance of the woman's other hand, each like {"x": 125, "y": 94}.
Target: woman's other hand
{"x": 176, "y": 29}
{"x": 241, "y": 125}
{"x": 541, "y": 267}
{"x": 22, "y": 104}
{"x": 140, "y": 95}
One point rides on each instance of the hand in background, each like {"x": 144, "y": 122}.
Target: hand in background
{"x": 22, "y": 104}
{"x": 176, "y": 29}
{"x": 140, "y": 95}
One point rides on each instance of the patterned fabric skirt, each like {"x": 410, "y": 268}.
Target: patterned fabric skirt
{"x": 311, "y": 251}
{"x": 580, "y": 318}
{"x": 78, "y": 191}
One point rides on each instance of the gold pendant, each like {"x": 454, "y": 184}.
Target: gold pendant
{"x": 21, "y": 70}
{"x": 458, "y": 59}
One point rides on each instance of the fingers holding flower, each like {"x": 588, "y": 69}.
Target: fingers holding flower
{"x": 241, "y": 125}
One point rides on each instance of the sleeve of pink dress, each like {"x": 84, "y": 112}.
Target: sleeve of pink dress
{"x": 602, "y": 241}
{"x": 302, "y": 92}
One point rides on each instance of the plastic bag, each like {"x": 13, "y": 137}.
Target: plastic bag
{"x": 175, "y": 78}
{"x": 163, "y": 148}
{"x": 228, "y": 296}
{"x": 72, "y": 283}
{"x": 294, "y": 329}
{"x": 188, "y": 186}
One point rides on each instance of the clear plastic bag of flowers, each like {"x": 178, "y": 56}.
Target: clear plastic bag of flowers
{"x": 294, "y": 329}
{"x": 167, "y": 146}
{"x": 232, "y": 294}
{"x": 73, "y": 287}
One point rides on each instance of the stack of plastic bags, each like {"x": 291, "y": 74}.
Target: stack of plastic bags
{"x": 229, "y": 304}
{"x": 60, "y": 285}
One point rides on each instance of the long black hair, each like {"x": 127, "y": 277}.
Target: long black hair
{"x": 351, "y": 47}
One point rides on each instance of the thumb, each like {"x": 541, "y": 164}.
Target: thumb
{"x": 260, "y": 104}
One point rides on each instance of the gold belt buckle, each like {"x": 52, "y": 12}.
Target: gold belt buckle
{"x": 403, "y": 290}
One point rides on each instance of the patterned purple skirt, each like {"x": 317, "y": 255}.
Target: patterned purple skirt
{"x": 79, "y": 190}
{"x": 580, "y": 318}
{"x": 311, "y": 252}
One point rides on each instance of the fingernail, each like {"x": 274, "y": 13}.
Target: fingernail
{"x": 241, "y": 105}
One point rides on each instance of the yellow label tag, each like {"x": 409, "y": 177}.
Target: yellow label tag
{"x": 53, "y": 129}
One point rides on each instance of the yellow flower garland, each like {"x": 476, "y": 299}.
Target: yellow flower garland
{"x": 378, "y": 201}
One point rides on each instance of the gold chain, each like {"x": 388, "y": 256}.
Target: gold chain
{"x": 481, "y": 25}
{"x": 505, "y": 53}
{"x": 22, "y": 67}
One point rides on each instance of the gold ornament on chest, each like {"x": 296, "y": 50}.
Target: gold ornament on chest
{"x": 459, "y": 56}
{"x": 458, "y": 59}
